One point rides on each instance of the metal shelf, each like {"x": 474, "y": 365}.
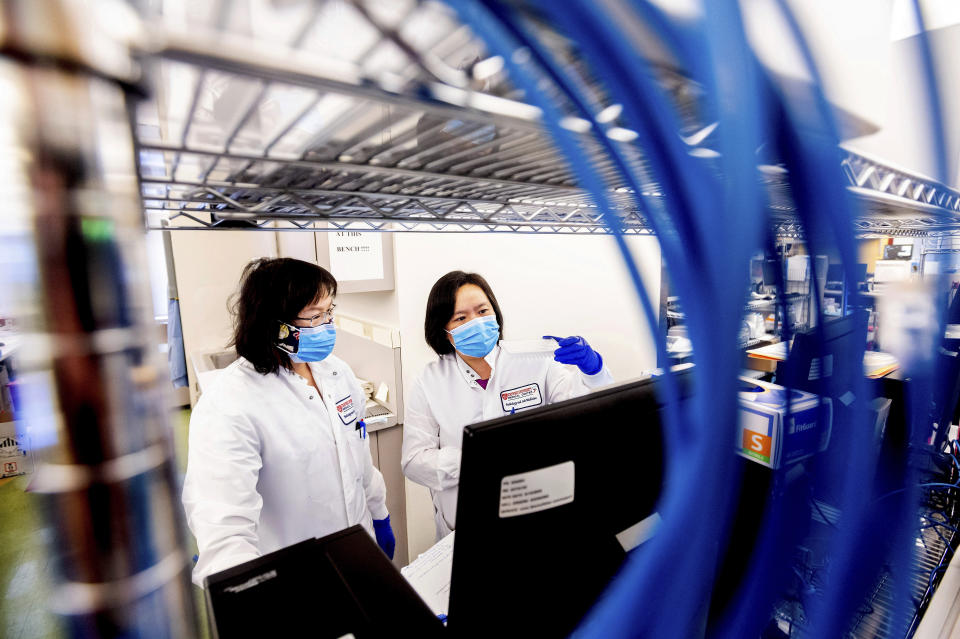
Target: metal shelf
{"x": 391, "y": 134}
{"x": 356, "y": 153}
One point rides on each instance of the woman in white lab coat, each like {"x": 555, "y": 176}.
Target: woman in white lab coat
{"x": 474, "y": 380}
{"x": 278, "y": 450}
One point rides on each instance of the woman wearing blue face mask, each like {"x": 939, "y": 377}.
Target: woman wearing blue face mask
{"x": 278, "y": 453}
{"x": 474, "y": 380}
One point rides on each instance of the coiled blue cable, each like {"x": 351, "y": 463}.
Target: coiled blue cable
{"x": 669, "y": 561}
{"x": 684, "y": 272}
{"x": 694, "y": 198}
{"x": 500, "y": 43}
{"x": 501, "y": 40}
{"x": 831, "y": 616}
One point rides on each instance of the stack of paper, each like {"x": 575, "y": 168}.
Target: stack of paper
{"x": 367, "y": 387}
{"x": 776, "y": 352}
{"x": 429, "y": 574}
{"x": 875, "y": 363}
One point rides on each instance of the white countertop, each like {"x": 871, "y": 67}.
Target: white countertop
{"x": 10, "y": 342}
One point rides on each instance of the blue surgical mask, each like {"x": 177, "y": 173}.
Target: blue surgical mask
{"x": 315, "y": 344}
{"x": 477, "y": 337}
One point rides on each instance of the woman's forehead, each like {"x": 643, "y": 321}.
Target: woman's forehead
{"x": 470, "y": 294}
{"x": 320, "y": 304}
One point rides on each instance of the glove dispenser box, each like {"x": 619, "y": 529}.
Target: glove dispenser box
{"x": 773, "y": 434}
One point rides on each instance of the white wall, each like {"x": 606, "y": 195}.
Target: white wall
{"x": 904, "y": 139}
{"x": 558, "y": 285}
{"x": 380, "y": 306}
{"x": 209, "y": 264}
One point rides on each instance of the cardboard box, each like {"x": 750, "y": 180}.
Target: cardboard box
{"x": 14, "y": 456}
{"x": 6, "y": 397}
{"x": 768, "y": 436}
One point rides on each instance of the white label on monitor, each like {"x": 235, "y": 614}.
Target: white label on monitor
{"x": 639, "y": 532}
{"x": 536, "y": 490}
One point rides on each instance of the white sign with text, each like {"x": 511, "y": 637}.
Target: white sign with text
{"x": 355, "y": 255}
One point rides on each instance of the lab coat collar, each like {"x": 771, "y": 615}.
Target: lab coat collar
{"x": 469, "y": 375}
{"x": 320, "y": 370}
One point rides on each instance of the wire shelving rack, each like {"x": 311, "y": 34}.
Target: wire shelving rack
{"x": 410, "y": 125}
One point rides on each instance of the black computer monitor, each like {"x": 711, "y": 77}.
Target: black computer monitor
{"x": 953, "y": 310}
{"x": 835, "y": 273}
{"x": 327, "y": 588}
{"x": 827, "y": 367}
{"x": 770, "y": 272}
{"x": 861, "y": 273}
{"x": 543, "y": 496}
{"x": 898, "y": 251}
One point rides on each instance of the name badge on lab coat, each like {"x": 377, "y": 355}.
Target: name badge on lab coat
{"x": 346, "y": 409}
{"x": 521, "y": 397}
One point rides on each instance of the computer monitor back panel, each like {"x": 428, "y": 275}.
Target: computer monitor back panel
{"x": 324, "y": 588}
{"x": 828, "y": 367}
{"x": 540, "y": 571}
{"x": 287, "y": 591}
{"x": 770, "y": 268}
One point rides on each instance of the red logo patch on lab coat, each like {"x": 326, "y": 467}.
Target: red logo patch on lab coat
{"x": 346, "y": 409}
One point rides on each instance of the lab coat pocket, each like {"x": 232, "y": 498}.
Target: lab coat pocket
{"x": 358, "y": 443}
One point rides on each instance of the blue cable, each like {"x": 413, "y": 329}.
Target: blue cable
{"x": 683, "y": 485}
{"x": 761, "y": 585}
{"x": 699, "y": 226}
{"x": 626, "y": 77}
{"x": 650, "y": 579}
{"x": 672, "y": 250}
{"x": 933, "y": 524}
{"x": 500, "y": 41}
{"x": 934, "y": 484}
{"x": 956, "y": 461}
{"x": 830, "y": 617}
{"x": 628, "y": 95}
{"x": 933, "y": 573}
{"x": 814, "y": 503}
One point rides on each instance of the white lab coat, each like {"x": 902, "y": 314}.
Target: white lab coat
{"x": 446, "y": 397}
{"x": 272, "y": 462}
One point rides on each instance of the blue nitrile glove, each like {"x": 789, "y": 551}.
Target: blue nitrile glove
{"x": 385, "y": 538}
{"x": 575, "y": 350}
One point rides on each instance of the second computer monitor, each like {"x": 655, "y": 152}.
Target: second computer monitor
{"x": 550, "y": 501}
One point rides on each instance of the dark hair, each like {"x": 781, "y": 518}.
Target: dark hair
{"x": 273, "y": 290}
{"x": 440, "y": 307}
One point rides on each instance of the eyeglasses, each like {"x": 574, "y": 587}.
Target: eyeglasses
{"x": 320, "y": 318}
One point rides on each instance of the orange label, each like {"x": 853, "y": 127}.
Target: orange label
{"x": 756, "y": 443}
